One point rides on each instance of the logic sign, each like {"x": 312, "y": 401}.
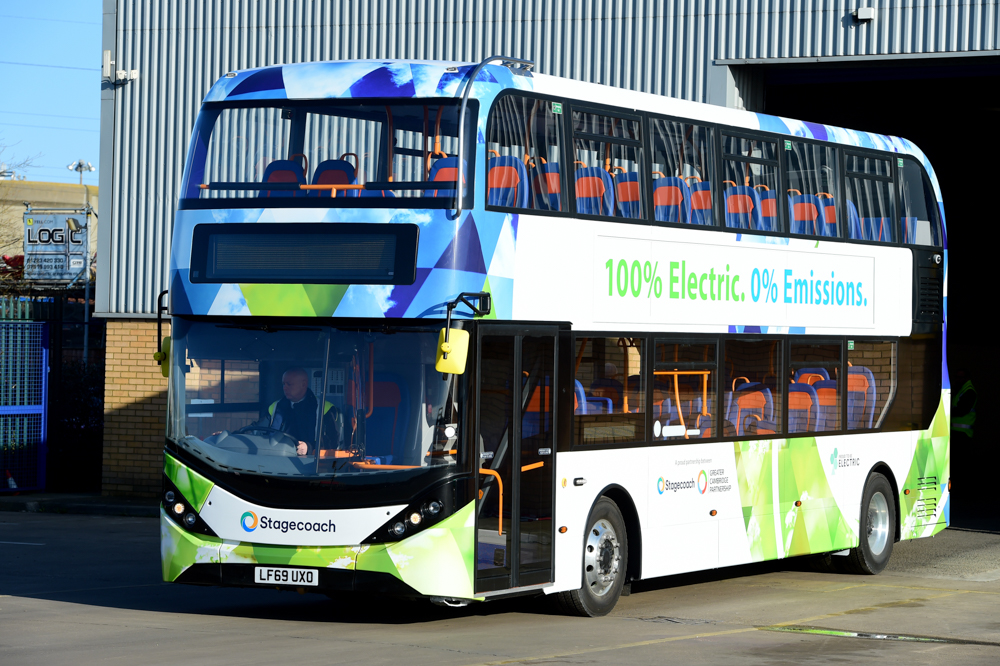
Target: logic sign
{"x": 53, "y": 252}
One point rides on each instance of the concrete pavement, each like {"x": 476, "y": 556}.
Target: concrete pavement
{"x": 85, "y": 589}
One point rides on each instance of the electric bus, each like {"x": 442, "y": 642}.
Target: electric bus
{"x": 464, "y": 331}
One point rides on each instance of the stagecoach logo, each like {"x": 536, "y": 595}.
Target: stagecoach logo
{"x": 663, "y": 485}
{"x": 249, "y": 521}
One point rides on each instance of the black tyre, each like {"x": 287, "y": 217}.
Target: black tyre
{"x": 605, "y": 553}
{"x": 878, "y": 529}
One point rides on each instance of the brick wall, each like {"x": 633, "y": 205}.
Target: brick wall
{"x": 135, "y": 409}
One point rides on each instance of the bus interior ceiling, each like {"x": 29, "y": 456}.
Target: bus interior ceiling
{"x": 949, "y": 108}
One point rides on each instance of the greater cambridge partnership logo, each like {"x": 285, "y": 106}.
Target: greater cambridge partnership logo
{"x": 663, "y": 485}
{"x": 251, "y": 518}
{"x": 250, "y": 522}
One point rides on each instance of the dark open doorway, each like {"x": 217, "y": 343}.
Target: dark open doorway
{"x": 950, "y": 108}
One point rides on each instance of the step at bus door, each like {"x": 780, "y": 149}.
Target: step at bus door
{"x": 516, "y": 431}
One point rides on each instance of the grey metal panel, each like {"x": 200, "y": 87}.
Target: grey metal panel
{"x": 665, "y": 47}
{"x": 102, "y": 296}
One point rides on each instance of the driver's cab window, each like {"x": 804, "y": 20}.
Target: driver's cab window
{"x": 220, "y": 394}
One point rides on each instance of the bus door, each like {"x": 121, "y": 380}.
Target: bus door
{"x": 515, "y": 407}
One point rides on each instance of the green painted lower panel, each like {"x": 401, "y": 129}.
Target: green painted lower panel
{"x": 193, "y": 486}
{"x": 180, "y": 549}
{"x": 927, "y": 479}
{"x": 332, "y": 557}
{"x": 775, "y": 526}
{"x": 437, "y": 561}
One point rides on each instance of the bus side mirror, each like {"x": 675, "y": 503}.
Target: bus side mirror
{"x": 163, "y": 356}
{"x": 456, "y": 349}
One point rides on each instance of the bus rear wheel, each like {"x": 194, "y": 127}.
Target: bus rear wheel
{"x": 878, "y": 529}
{"x": 605, "y": 553}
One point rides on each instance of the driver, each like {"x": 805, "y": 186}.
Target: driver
{"x": 297, "y": 412}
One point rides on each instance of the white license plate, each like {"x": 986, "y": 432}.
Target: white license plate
{"x": 284, "y": 576}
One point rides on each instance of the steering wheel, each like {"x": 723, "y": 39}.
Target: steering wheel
{"x": 263, "y": 430}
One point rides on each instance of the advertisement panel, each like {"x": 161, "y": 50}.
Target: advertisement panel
{"x": 55, "y": 245}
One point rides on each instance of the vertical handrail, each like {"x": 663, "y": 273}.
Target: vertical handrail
{"x": 495, "y": 474}
{"x": 460, "y": 184}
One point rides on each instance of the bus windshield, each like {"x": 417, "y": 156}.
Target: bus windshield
{"x": 311, "y": 401}
{"x": 327, "y": 153}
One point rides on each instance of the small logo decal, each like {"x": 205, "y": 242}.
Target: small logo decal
{"x": 703, "y": 482}
{"x": 833, "y": 462}
{"x": 249, "y": 521}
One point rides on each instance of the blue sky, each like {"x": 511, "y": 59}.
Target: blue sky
{"x": 51, "y": 113}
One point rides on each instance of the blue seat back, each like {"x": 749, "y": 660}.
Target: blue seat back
{"x": 829, "y": 409}
{"x": 671, "y": 200}
{"x": 877, "y": 229}
{"x": 803, "y": 407}
{"x": 445, "y": 169}
{"x": 334, "y": 172}
{"x": 612, "y": 389}
{"x": 594, "y": 192}
{"x": 579, "y": 398}
{"x": 750, "y": 401}
{"x": 768, "y": 210}
{"x": 546, "y": 186}
{"x": 506, "y": 182}
{"x": 388, "y": 194}
{"x": 627, "y": 194}
{"x": 860, "y": 397}
{"x": 701, "y": 203}
{"x": 829, "y": 207}
{"x": 537, "y": 415}
{"x": 805, "y": 214}
{"x": 283, "y": 171}
{"x": 811, "y": 375}
{"x": 743, "y": 208}
{"x": 853, "y": 222}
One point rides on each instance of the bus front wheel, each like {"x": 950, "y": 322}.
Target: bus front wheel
{"x": 605, "y": 553}
{"x": 878, "y": 528}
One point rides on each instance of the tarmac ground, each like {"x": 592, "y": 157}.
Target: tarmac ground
{"x": 86, "y": 589}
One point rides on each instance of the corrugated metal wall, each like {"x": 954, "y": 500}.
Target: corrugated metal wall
{"x": 660, "y": 46}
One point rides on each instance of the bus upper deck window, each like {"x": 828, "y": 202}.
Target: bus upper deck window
{"x": 607, "y": 163}
{"x": 682, "y": 185}
{"x": 329, "y": 154}
{"x": 919, "y": 216}
{"x": 524, "y": 139}
{"x": 868, "y": 186}
{"x": 750, "y": 184}
{"x": 811, "y": 188}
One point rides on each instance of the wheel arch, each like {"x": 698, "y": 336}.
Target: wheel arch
{"x": 621, "y": 497}
{"x": 882, "y": 468}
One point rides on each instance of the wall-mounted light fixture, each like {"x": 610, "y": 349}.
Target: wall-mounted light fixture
{"x": 864, "y": 14}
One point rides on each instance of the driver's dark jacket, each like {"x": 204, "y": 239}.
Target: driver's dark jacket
{"x": 299, "y": 420}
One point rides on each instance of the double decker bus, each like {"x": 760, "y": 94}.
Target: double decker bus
{"x": 462, "y": 331}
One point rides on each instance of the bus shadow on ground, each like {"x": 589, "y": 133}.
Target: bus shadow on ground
{"x": 361, "y": 609}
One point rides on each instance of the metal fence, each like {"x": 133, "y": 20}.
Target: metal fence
{"x": 24, "y": 364}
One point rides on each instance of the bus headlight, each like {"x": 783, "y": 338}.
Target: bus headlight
{"x": 169, "y": 496}
{"x": 190, "y": 520}
{"x": 398, "y": 529}
{"x": 434, "y": 507}
{"x": 415, "y": 518}
{"x": 178, "y": 508}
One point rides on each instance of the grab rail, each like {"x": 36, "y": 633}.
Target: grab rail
{"x": 460, "y": 191}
